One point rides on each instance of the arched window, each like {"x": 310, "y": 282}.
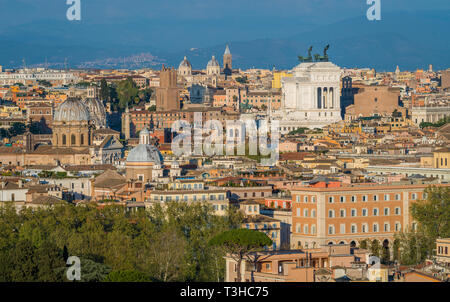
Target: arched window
{"x": 64, "y": 139}
{"x": 319, "y": 98}
{"x": 82, "y": 139}
{"x": 72, "y": 139}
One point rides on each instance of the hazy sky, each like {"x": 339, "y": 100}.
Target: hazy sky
{"x": 177, "y": 25}
{"x": 14, "y": 12}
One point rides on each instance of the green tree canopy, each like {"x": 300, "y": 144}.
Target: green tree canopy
{"x": 17, "y": 128}
{"x": 433, "y": 214}
{"x": 242, "y": 80}
{"x": 127, "y": 92}
{"x": 126, "y": 276}
{"x": 433, "y": 221}
{"x": 104, "y": 90}
{"x": 168, "y": 243}
{"x": 239, "y": 243}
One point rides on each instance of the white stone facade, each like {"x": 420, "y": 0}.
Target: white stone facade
{"x": 311, "y": 97}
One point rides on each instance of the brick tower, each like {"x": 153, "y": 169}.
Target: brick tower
{"x": 167, "y": 95}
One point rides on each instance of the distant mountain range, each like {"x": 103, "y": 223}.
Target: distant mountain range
{"x": 408, "y": 39}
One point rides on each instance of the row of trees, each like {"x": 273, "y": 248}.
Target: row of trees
{"x": 413, "y": 246}
{"x": 438, "y": 124}
{"x": 18, "y": 128}
{"x": 161, "y": 244}
{"x": 433, "y": 217}
{"x": 123, "y": 94}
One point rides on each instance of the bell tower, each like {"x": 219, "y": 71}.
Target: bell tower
{"x": 227, "y": 62}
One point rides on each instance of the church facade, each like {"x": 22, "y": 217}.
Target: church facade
{"x": 311, "y": 97}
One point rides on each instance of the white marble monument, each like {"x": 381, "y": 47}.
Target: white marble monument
{"x": 311, "y": 97}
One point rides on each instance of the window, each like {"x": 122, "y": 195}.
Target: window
{"x": 353, "y": 198}
{"x": 313, "y": 213}
{"x": 365, "y": 227}
{"x": 331, "y": 199}
{"x": 353, "y": 212}
{"x": 364, "y": 198}
{"x": 386, "y": 211}
{"x": 313, "y": 229}
{"x": 342, "y": 213}
{"x": 298, "y": 212}
{"x": 386, "y": 197}
{"x": 342, "y": 228}
{"x": 397, "y": 211}
{"x": 297, "y": 199}
{"x": 387, "y": 227}
{"x": 342, "y": 199}
{"x": 397, "y": 196}
{"x": 375, "y": 227}
{"x": 413, "y": 196}
{"x": 331, "y": 213}
{"x": 305, "y": 213}
{"x": 313, "y": 199}
{"x": 354, "y": 228}
{"x": 305, "y": 229}
{"x": 375, "y": 197}
{"x": 398, "y": 226}
{"x": 364, "y": 212}
{"x": 305, "y": 199}
{"x": 331, "y": 229}
{"x": 299, "y": 229}
{"x": 375, "y": 211}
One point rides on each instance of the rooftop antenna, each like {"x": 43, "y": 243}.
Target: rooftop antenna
{"x": 24, "y": 64}
{"x": 65, "y": 64}
{"x": 46, "y": 63}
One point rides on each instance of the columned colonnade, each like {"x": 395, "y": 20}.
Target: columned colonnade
{"x": 326, "y": 98}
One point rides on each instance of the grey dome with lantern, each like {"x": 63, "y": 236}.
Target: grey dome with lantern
{"x": 213, "y": 62}
{"x": 97, "y": 111}
{"x": 145, "y": 154}
{"x": 70, "y": 110}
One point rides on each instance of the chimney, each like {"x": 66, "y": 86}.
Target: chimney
{"x": 20, "y": 183}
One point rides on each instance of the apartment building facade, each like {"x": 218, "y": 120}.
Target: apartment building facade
{"x": 348, "y": 215}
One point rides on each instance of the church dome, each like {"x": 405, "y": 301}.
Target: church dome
{"x": 97, "y": 111}
{"x": 213, "y": 62}
{"x": 70, "y": 110}
{"x": 144, "y": 153}
{"x": 184, "y": 64}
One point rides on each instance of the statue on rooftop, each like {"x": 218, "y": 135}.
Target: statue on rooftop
{"x": 323, "y": 58}
{"x": 308, "y": 58}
